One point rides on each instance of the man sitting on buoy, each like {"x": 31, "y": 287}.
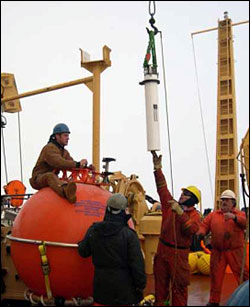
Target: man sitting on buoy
{"x": 53, "y": 158}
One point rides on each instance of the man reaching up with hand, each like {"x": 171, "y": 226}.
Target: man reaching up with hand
{"x": 180, "y": 221}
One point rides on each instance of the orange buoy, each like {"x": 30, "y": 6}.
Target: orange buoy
{"x": 48, "y": 217}
{"x": 15, "y": 187}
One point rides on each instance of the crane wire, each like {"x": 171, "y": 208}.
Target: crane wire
{"x": 20, "y": 149}
{"x": 202, "y": 120}
{"x": 3, "y": 124}
{"x": 4, "y": 155}
{"x": 166, "y": 103}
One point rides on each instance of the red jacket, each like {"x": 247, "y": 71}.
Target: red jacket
{"x": 186, "y": 224}
{"x": 226, "y": 234}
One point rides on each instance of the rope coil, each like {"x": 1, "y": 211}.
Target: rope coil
{"x": 45, "y": 301}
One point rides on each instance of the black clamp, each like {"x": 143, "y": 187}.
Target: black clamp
{"x": 106, "y": 168}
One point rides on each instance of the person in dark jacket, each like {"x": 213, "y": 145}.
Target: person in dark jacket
{"x": 119, "y": 277}
{"x": 53, "y": 158}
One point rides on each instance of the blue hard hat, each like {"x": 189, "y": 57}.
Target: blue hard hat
{"x": 61, "y": 128}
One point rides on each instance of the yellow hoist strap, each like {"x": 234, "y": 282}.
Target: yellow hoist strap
{"x": 45, "y": 268}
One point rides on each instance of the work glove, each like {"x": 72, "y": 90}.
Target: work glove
{"x": 176, "y": 207}
{"x": 83, "y": 163}
{"x": 156, "y": 160}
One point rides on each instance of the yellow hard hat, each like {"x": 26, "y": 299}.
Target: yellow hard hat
{"x": 193, "y": 189}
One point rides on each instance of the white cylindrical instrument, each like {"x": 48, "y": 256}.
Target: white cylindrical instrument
{"x": 152, "y": 111}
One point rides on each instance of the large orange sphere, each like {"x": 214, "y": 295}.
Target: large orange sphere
{"x": 48, "y": 217}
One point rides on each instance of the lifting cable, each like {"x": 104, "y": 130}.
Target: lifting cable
{"x": 166, "y": 103}
{"x": 202, "y": 120}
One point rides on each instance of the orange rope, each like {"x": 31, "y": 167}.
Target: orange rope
{"x": 206, "y": 250}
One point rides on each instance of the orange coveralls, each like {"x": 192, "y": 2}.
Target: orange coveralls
{"x": 171, "y": 260}
{"x": 227, "y": 248}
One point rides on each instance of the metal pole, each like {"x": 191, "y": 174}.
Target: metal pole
{"x": 96, "y": 67}
{"x": 48, "y": 89}
{"x": 96, "y": 117}
{"x": 49, "y": 243}
{"x": 212, "y": 29}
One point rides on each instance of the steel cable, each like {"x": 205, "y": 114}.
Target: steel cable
{"x": 202, "y": 120}
{"x": 166, "y": 103}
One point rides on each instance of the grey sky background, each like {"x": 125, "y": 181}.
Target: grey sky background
{"x": 40, "y": 43}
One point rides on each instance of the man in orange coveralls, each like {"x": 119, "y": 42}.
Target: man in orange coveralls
{"x": 227, "y": 227}
{"x": 180, "y": 221}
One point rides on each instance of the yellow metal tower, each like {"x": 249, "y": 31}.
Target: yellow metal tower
{"x": 226, "y": 173}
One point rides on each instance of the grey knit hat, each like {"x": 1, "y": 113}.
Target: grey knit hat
{"x": 116, "y": 203}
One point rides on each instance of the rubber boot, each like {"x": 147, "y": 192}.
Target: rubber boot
{"x": 70, "y": 191}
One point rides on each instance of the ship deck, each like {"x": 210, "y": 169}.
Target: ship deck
{"x": 198, "y": 291}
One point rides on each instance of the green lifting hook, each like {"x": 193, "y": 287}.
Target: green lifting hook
{"x": 151, "y": 44}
